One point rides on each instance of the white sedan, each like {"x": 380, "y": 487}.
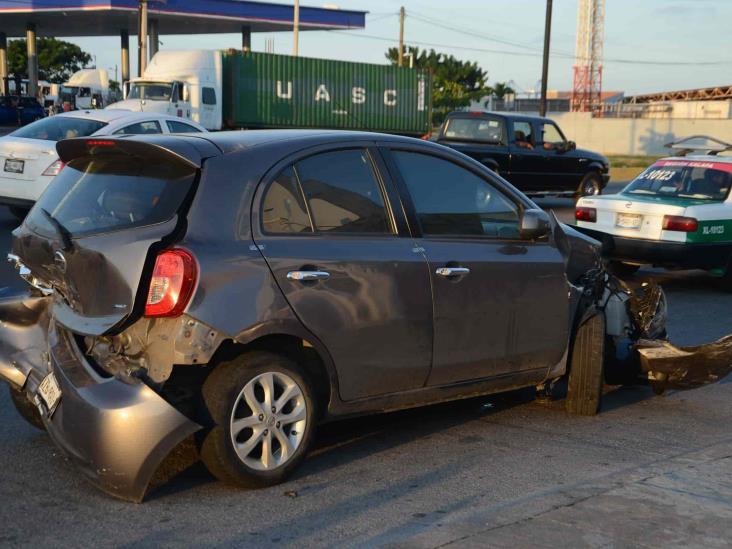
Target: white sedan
{"x": 28, "y": 159}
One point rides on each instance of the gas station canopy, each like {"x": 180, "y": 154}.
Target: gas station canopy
{"x": 109, "y": 17}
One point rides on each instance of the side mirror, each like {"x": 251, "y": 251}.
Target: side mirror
{"x": 534, "y": 224}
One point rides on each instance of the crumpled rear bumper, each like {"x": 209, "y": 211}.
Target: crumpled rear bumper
{"x": 118, "y": 431}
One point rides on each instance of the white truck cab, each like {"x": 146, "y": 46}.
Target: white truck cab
{"x": 90, "y": 88}
{"x": 180, "y": 83}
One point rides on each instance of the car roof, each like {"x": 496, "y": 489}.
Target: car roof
{"x": 236, "y": 140}
{"x": 111, "y": 115}
{"x": 700, "y": 157}
{"x": 503, "y": 114}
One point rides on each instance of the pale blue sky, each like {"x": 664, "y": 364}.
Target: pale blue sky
{"x": 691, "y": 31}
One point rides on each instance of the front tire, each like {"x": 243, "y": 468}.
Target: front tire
{"x": 263, "y": 414}
{"x": 584, "y": 387}
{"x": 591, "y": 185}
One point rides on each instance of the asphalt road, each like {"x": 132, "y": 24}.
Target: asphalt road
{"x": 499, "y": 471}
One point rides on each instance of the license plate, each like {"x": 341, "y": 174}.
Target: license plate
{"x": 50, "y": 392}
{"x": 14, "y": 166}
{"x": 629, "y": 221}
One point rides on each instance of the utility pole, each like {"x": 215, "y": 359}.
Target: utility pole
{"x": 296, "y": 29}
{"x": 401, "y": 36}
{"x": 545, "y": 63}
{"x": 142, "y": 39}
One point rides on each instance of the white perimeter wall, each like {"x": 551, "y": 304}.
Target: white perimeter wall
{"x": 636, "y": 136}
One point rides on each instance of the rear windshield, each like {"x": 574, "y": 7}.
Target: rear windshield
{"x": 487, "y": 130}
{"x": 684, "y": 179}
{"x": 104, "y": 193}
{"x": 56, "y": 128}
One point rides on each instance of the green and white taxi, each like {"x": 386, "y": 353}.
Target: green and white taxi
{"x": 676, "y": 214}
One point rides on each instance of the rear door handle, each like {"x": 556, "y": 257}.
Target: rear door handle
{"x": 452, "y": 271}
{"x": 308, "y": 275}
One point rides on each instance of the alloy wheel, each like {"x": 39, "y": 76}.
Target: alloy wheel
{"x": 268, "y": 421}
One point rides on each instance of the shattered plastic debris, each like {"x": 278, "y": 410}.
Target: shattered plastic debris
{"x": 671, "y": 367}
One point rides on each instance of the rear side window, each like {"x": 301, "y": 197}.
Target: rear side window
{"x": 283, "y": 208}
{"x": 56, "y": 128}
{"x": 149, "y": 126}
{"x": 208, "y": 96}
{"x": 343, "y": 192}
{"x": 103, "y": 193}
{"x": 487, "y": 130}
{"x": 181, "y": 127}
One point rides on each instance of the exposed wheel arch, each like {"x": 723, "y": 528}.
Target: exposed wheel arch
{"x": 306, "y": 352}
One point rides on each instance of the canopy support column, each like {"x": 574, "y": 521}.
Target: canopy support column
{"x": 30, "y": 37}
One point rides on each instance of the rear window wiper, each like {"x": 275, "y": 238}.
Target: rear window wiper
{"x": 62, "y": 231}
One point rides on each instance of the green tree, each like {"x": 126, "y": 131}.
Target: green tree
{"x": 455, "y": 83}
{"x": 502, "y": 89}
{"x": 57, "y": 59}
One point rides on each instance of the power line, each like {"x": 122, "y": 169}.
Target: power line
{"x": 532, "y": 54}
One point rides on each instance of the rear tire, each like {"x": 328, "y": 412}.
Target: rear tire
{"x": 19, "y": 212}
{"x": 26, "y": 409}
{"x": 584, "y": 387}
{"x": 251, "y": 443}
{"x": 591, "y": 185}
{"x": 621, "y": 269}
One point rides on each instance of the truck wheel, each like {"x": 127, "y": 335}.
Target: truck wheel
{"x": 591, "y": 185}
{"x": 26, "y": 409}
{"x": 619, "y": 268}
{"x": 263, "y": 414}
{"x": 584, "y": 387}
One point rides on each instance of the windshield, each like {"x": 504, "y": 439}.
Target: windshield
{"x": 56, "y": 128}
{"x": 684, "y": 179}
{"x": 103, "y": 193}
{"x": 475, "y": 129}
{"x": 151, "y": 91}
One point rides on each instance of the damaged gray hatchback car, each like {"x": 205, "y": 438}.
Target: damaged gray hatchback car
{"x": 239, "y": 288}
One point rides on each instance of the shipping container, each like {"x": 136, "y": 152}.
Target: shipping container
{"x": 262, "y": 90}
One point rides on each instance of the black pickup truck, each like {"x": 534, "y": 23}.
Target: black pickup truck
{"x": 529, "y": 151}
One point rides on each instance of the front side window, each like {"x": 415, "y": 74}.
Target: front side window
{"x": 551, "y": 136}
{"x": 452, "y": 201}
{"x": 56, "y": 128}
{"x": 343, "y": 192}
{"x": 103, "y": 193}
{"x": 149, "y": 126}
{"x": 283, "y": 207}
{"x": 208, "y": 96}
{"x": 486, "y": 130}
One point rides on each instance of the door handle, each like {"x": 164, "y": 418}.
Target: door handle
{"x": 452, "y": 271}
{"x": 303, "y": 276}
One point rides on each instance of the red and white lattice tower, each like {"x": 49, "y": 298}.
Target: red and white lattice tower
{"x": 587, "y": 86}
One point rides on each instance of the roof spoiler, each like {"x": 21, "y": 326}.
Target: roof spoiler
{"x": 176, "y": 150}
{"x": 699, "y": 143}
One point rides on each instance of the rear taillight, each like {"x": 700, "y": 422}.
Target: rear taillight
{"x": 679, "y": 223}
{"x": 54, "y": 168}
{"x": 582, "y": 213}
{"x": 171, "y": 286}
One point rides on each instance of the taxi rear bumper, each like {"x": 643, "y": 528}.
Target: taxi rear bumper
{"x": 663, "y": 253}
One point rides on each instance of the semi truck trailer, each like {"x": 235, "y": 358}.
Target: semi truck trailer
{"x": 240, "y": 90}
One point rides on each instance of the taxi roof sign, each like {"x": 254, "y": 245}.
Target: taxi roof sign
{"x": 696, "y": 143}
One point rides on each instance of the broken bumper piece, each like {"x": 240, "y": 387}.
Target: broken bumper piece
{"x": 118, "y": 431}
{"x": 671, "y": 367}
